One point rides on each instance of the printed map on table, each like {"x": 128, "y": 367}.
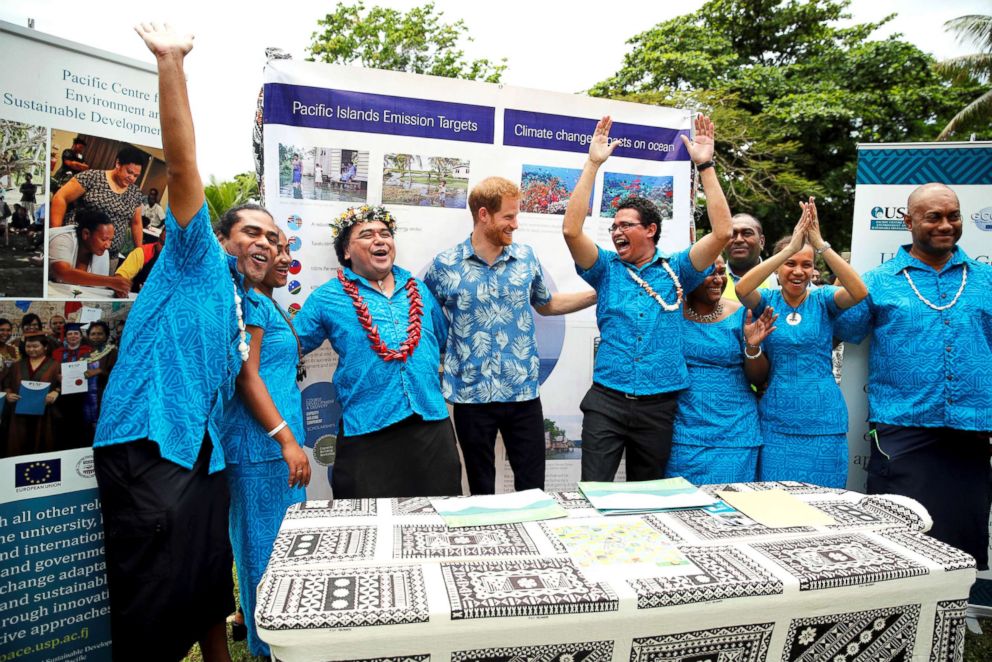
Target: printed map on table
{"x": 618, "y": 543}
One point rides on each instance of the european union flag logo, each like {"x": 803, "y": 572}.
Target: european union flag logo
{"x": 38, "y": 472}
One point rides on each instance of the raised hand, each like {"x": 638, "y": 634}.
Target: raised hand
{"x": 601, "y": 148}
{"x": 162, "y": 40}
{"x": 756, "y": 330}
{"x": 799, "y": 233}
{"x": 701, "y": 147}
{"x": 813, "y": 235}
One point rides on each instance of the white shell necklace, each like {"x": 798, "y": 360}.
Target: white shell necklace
{"x": 654, "y": 295}
{"x": 964, "y": 281}
{"x": 243, "y": 347}
{"x": 708, "y": 317}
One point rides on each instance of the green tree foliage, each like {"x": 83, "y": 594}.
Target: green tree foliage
{"x": 977, "y": 29}
{"x": 417, "y": 41}
{"x": 792, "y": 93}
{"x": 221, "y": 196}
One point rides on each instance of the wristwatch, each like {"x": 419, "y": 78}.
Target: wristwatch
{"x": 822, "y": 249}
{"x": 705, "y": 166}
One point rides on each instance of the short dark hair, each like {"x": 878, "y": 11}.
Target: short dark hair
{"x": 100, "y": 323}
{"x": 231, "y": 217}
{"x": 78, "y": 140}
{"x": 4, "y": 320}
{"x": 647, "y": 210}
{"x": 341, "y": 242}
{"x": 38, "y": 337}
{"x": 90, "y": 218}
{"x": 744, "y": 216}
{"x": 27, "y": 176}
{"x": 129, "y": 155}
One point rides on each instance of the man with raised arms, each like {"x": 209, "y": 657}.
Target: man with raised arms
{"x": 640, "y": 367}
{"x": 157, "y": 453}
{"x": 929, "y": 312}
{"x": 486, "y": 286}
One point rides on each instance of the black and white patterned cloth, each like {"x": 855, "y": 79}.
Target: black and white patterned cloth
{"x": 384, "y": 580}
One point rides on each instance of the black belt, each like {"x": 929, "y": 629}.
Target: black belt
{"x": 630, "y": 396}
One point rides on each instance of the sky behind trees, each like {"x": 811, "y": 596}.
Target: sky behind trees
{"x": 552, "y": 45}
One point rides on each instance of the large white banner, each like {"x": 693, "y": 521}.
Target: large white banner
{"x": 54, "y": 95}
{"x": 887, "y": 174}
{"x": 341, "y": 136}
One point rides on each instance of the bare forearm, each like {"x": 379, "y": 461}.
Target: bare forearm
{"x": 563, "y": 303}
{"x": 758, "y": 274}
{"x": 178, "y": 139}
{"x": 582, "y": 248}
{"x": 847, "y": 277}
{"x": 756, "y": 370}
{"x": 256, "y": 397}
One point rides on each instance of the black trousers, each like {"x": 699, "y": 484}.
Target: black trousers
{"x": 945, "y": 470}
{"x": 522, "y": 427}
{"x": 613, "y": 422}
{"x": 413, "y": 457}
{"x": 168, "y": 554}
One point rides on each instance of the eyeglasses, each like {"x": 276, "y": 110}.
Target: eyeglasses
{"x": 623, "y": 227}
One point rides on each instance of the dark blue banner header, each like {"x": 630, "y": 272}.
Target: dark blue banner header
{"x": 562, "y": 133}
{"x": 321, "y": 108}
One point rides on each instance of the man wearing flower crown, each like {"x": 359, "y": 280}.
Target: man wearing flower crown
{"x": 157, "y": 454}
{"x": 486, "y": 286}
{"x": 929, "y": 312}
{"x": 640, "y": 367}
{"x": 394, "y": 438}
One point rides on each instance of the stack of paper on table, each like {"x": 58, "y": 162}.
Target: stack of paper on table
{"x": 512, "y": 508}
{"x": 647, "y": 496}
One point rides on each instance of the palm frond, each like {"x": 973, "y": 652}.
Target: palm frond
{"x": 977, "y": 109}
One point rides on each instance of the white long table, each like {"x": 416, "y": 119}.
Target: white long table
{"x": 387, "y": 580}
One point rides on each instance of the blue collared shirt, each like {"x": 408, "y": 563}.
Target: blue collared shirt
{"x": 640, "y": 348}
{"x": 491, "y": 353}
{"x": 375, "y": 393}
{"x": 179, "y": 355}
{"x": 243, "y": 437}
{"x": 927, "y": 368}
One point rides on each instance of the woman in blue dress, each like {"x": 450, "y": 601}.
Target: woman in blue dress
{"x": 267, "y": 468}
{"x": 716, "y": 436}
{"x": 803, "y": 415}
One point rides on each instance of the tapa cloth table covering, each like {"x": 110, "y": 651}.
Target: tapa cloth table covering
{"x": 385, "y": 579}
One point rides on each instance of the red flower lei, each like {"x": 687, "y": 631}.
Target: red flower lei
{"x": 372, "y": 332}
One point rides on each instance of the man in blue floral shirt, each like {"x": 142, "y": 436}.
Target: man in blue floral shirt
{"x": 486, "y": 286}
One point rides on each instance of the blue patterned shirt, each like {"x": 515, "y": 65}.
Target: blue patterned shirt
{"x": 718, "y": 409}
{"x": 375, "y": 393}
{"x": 491, "y": 354}
{"x": 640, "y": 348}
{"x": 244, "y": 439}
{"x": 179, "y": 355}
{"x": 802, "y": 396}
{"x": 927, "y": 368}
